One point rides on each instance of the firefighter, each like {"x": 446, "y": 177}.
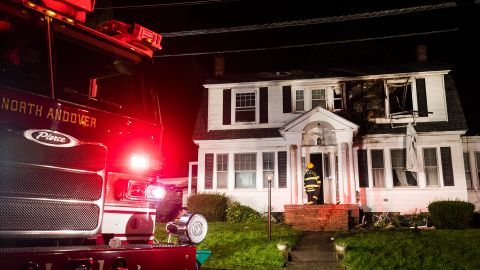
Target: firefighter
{"x": 312, "y": 184}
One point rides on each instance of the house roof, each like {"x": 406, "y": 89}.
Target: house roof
{"x": 328, "y": 73}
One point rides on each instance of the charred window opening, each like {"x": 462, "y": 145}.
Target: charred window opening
{"x": 399, "y": 96}
{"x": 366, "y": 99}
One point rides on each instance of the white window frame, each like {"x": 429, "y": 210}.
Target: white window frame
{"x": 325, "y": 93}
{"x": 296, "y": 100}
{"x": 234, "y": 107}
{"x": 340, "y": 88}
{"x": 217, "y": 169}
{"x": 413, "y": 90}
{"x": 375, "y": 168}
{"x": 273, "y": 170}
{"x": 425, "y": 166}
{"x": 253, "y": 171}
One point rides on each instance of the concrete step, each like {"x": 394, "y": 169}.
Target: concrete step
{"x": 314, "y": 266}
{"x": 313, "y": 256}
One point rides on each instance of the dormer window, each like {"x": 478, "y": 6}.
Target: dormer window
{"x": 299, "y": 101}
{"x": 319, "y": 98}
{"x": 399, "y": 96}
{"x": 245, "y": 106}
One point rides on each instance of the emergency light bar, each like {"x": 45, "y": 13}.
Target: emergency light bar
{"x": 136, "y": 35}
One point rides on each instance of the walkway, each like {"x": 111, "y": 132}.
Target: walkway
{"x": 315, "y": 251}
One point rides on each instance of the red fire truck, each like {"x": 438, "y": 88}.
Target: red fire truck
{"x": 80, "y": 144}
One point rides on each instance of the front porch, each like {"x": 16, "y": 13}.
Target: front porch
{"x": 322, "y": 217}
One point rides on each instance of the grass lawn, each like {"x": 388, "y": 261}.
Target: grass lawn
{"x": 243, "y": 245}
{"x": 408, "y": 249}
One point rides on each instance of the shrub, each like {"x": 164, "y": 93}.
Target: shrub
{"x": 211, "y": 205}
{"x": 241, "y": 213}
{"x": 451, "y": 214}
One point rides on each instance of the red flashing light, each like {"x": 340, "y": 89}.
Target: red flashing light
{"x": 139, "y": 162}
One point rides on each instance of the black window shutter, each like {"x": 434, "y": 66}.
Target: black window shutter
{"x": 282, "y": 169}
{"x": 447, "y": 168}
{"x": 422, "y": 98}
{"x": 227, "y": 104}
{"x": 263, "y": 104}
{"x": 287, "y": 99}
{"x": 362, "y": 168}
{"x": 208, "y": 171}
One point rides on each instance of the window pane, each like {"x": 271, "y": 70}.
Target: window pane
{"x": 318, "y": 98}
{"x": 299, "y": 100}
{"x": 222, "y": 170}
{"x": 378, "y": 170}
{"x": 23, "y": 55}
{"x": 401, "y": 177}
{"x": 337, "y": 98}
{"x": 245, "y": 107}
{"x": 268, "y": 167}
{"x": 477, "y": 158}
{"x": 468, "y": 173}
{"x": 245, "y": 170}
{"x": 431, "y": 167}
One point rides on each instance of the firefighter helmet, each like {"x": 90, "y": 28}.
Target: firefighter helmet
{"x": 310, "y": 166}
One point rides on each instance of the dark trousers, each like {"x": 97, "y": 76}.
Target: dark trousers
{"x": 312, "y": 196}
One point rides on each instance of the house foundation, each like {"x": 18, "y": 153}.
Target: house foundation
{"x": 322, "y": 217}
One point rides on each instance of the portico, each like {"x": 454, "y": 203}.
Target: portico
{"x": 326, "y": 140}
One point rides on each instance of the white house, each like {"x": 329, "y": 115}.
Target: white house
{"x": 351, "y": 124}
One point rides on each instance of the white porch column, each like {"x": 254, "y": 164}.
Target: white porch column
{"x": 333, "y": 177}
{"x": 353, "y": 195}
{"x": 341, "y": 177}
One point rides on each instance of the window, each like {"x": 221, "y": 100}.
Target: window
{"x": 378, "y": 168}
{"x": 477, "y": 158}
{"x": 245, "y": 170}
{"x": 337, "y": 98}
{"x": 245, "y": 107}
{"x": 468, "y": 173}
{"x": 299, "y": 100}
{"x": 401, "y": 178}
{"x": 399, "y": 96}
{"x": 431, "y": 166}
{"x": 222, "y": 170}
{"x": 268, "y": 167}
{"x": 319, "y": 98}
{"x": 23, "y": 54}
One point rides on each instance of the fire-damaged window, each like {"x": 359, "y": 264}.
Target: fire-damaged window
{"x": 399, "y": 95}
{"x": 245, "y": 106}
{"x": 366, "y": 99}
{"x": 401, "y": 178}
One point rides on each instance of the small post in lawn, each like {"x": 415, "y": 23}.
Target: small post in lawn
{"x": 269, "y": 178}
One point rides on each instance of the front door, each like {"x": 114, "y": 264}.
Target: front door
{"x": 317, "y": 160}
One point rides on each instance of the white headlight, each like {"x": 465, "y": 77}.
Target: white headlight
{"x": 155, "y": 192}
{"x": 190, "y": 229}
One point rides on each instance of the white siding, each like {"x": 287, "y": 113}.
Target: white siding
{"x": 409, "y": 199}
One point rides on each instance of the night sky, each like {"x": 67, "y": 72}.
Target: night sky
{"x": 185, "y": 62}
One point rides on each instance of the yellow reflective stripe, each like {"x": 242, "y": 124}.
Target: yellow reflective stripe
{"x": 311, "y": 186}
{"x": 311, "y": 178}
{"x": 315, "y": 197}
